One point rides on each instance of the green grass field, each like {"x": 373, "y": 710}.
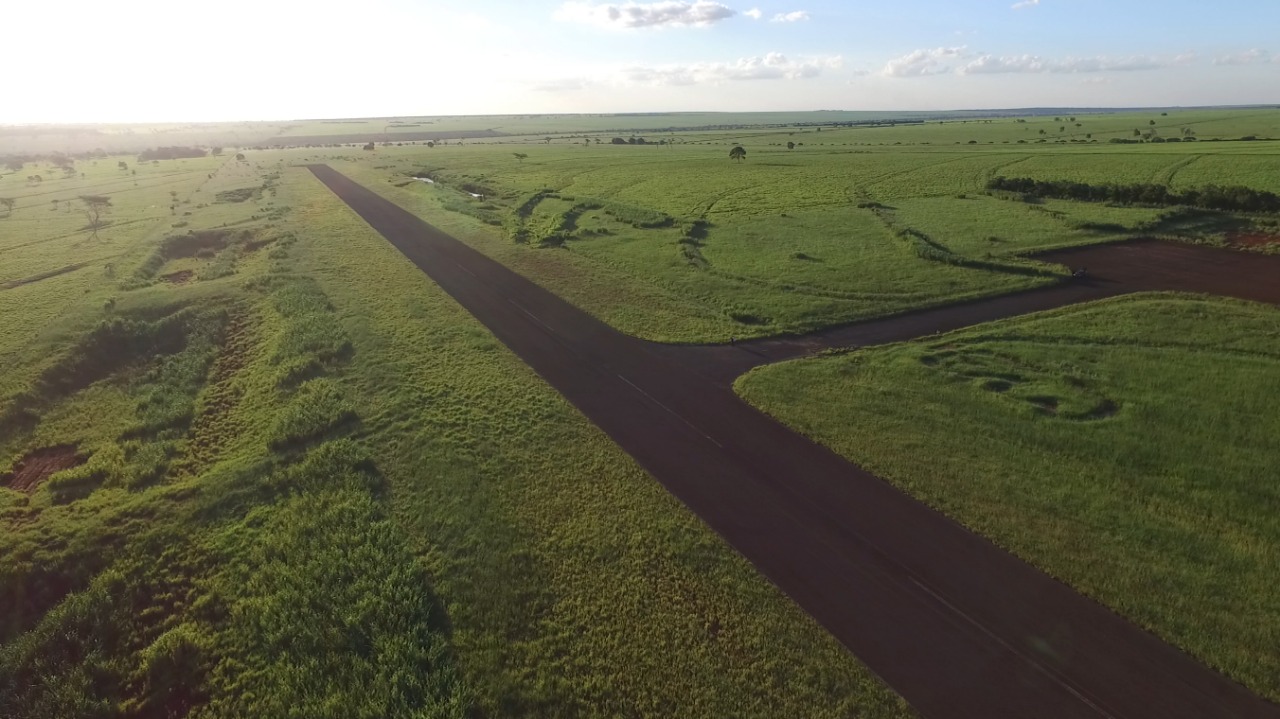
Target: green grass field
{"x": 1126, "y": 447}
{"x": 679, "y": 243}
{"x": 312, "y": 484}
{"x": 296, "y": 478}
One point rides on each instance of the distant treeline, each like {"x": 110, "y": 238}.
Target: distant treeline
{"x": 1234, "y": 198}
{"x": 170, "y": 153}
{"x": 15, "y": 162}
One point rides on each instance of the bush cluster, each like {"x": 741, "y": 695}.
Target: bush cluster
{"x": 1235, "y": 198}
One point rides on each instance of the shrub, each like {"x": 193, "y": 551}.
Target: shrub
{"x": 318, "y": 407}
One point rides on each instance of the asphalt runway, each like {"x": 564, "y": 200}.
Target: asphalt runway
{"x": 956, "y": 625}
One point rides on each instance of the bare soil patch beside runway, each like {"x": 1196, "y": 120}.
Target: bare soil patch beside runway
{"x": 33, "y": 469}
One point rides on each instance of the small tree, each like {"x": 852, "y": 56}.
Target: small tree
{"x": 7, "y": 204}
{"x": 430, "y": 144}
{"x": 216, "y": 151}
{"x": 240, "y": 156}
{"x": 369, "y": 147}
{"x": 791, "y": 145}
{"x": 95, "y": 207}
{"x": 520, "y": 156}
{"x": 738, "y": 153}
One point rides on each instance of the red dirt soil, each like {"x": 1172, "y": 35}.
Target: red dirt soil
{"x": 37, "y": 466}
{"x": 956, "y": 625}
{"x": 1253, "y": 239}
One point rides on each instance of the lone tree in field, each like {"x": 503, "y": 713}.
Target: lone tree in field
{"x": 95, "y": 206}
{"x": 7, "y": 204}
{"x": 520, "y": 156}
{"x": 791, "y": 145}
{"x": 738, "y": 153}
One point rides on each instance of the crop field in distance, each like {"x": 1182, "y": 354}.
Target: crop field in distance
{"x": 255, "y": 463}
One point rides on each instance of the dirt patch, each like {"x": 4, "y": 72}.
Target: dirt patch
{"x": 1253, "y": 239}
{"x": 180, "y": 277}
{"x": 37, "y": 466}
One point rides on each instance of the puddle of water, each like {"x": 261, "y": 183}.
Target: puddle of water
{"x": 427, "y": 180}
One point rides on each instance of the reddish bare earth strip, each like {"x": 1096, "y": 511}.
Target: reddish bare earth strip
{"x": 956, "y": 625}
{"x": 1253, "y": 239}
{"x": 37, "y": 466}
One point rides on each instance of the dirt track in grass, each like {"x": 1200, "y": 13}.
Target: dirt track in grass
{"x": 956, "y": 625}
{"x": 37, "y": 466}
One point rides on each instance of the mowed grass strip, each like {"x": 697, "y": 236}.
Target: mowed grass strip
{"x": 1127, "y": 447}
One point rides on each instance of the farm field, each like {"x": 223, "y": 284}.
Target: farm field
{"x": 1124, "y": 446}
{"x": 235, "y": 392}
{"x": 863, "y": 127}
{"x": 678, "y": 243}
{"x": 275, "y": 411}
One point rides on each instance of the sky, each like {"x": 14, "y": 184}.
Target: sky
{"x": 162, "y": 61}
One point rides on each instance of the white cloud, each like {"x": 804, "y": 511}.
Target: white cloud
{"x": 773, "y": 66}
{"x": 796, "y": 16}
{"x": 924, "y": 62}
{"x": 657, "y": 14}
{"x": 754, "y": 13}
{"x": 1255, "y": 56}
{"x": 566, "y": 84}
{"x": 1034, "y": 64}
{"x": 1025, "y": 4}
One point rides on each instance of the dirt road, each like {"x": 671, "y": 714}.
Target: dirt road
{"x": 956, "y": 625}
